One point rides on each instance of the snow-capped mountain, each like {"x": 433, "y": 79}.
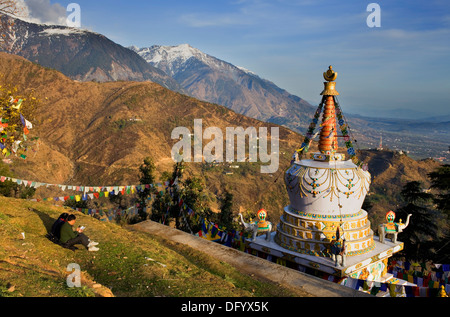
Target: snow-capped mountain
{"x": 208, "y": 78}
{"x": 81, "y": 54}
{"x": 174, "y": 59}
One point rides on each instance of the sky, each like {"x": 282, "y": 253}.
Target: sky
{"x": 398, "y": 67}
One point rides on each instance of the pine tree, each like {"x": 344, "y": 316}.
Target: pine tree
{"x": 440, "y": 181}
{"x": 443, "y": 249}
{"x": 147, "y": 178}
{"x": 160, "y": 207}
{"x": 166, "y": 207}
{"x": 422, "y": 229}
{"x": 226, "y": 211}
{"x": 193, "y": 195}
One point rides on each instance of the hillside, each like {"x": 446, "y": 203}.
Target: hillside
{"x": 129, "y": 263}
{"x": 390, "y": 171}
{"x": 87, "y": 138}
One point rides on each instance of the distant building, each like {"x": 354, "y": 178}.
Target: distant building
{"x": 380, "y": 146}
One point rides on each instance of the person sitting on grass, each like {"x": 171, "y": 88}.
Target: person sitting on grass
{"x": 69, "y": 237}
{"x": 56, "y": 228}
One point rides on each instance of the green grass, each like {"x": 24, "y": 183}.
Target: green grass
{"x": 129, "y": 263}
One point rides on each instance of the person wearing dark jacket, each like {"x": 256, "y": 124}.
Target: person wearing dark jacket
{"x": 69, "y": 237}
{"x": 56, "y": 227}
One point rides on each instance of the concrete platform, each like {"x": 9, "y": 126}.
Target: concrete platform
{"x": 353, "y": 264}
{"x": 311, "y": 286}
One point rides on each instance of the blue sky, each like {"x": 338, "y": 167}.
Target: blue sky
{"x": 401, "y": 65}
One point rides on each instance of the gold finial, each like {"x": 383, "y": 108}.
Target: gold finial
{"x": 330, "y": 74}
{"x": 330, "y": 86}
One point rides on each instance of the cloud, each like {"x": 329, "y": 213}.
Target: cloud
{"x": 211, "y": 20}
{"x": 42, "y": 11}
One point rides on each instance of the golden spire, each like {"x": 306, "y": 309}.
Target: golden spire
{"x": 330, "y": 76}
{"x": 328, "y": 142}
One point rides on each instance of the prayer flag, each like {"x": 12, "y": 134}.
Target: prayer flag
{"x": 331, "y": 133}
{"x": 327, "y": 121}
{"x": 28, "y": 124}
{"x": 214, "y": 230}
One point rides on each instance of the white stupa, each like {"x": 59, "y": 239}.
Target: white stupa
{"x": 325, "y": 227}
{"x": 326, "y": 191}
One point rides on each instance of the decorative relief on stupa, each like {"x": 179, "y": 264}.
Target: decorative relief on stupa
{"x": 329, "y": 183}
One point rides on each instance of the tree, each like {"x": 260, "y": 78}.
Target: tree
{"x": 8, "y": 9}
{"x": 160, "y": 208}
{"x": 367, "y": 204}
{"x": 440, "y": 181}
{"x": 442, "y": 253}
{"x": 16, "y": 113}
{"x": 422, "y": 229}
{"x": 15, "y": 109}
{"x": 225, "y": 217}
{"x": 165, "y": 207}
{"x": 83, "y": 204}
{"x": 193, "y": 195}
{"x": 9, "y": 188}
{"x": 147, "y": 178}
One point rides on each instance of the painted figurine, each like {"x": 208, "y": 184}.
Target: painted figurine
{"x": 391, "y": 227}
{"x": 259, "y": 226}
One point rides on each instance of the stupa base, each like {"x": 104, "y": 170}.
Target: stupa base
{"x": 369, "y": 266}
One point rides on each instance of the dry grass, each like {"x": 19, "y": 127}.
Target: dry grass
{"x": 129, "y": 264}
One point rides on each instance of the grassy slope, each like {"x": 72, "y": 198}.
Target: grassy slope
{"x": 35, "y": 267}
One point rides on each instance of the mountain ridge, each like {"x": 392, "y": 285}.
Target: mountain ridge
{"x": 213, "y": 80}
{"x": 81, "y": 54}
